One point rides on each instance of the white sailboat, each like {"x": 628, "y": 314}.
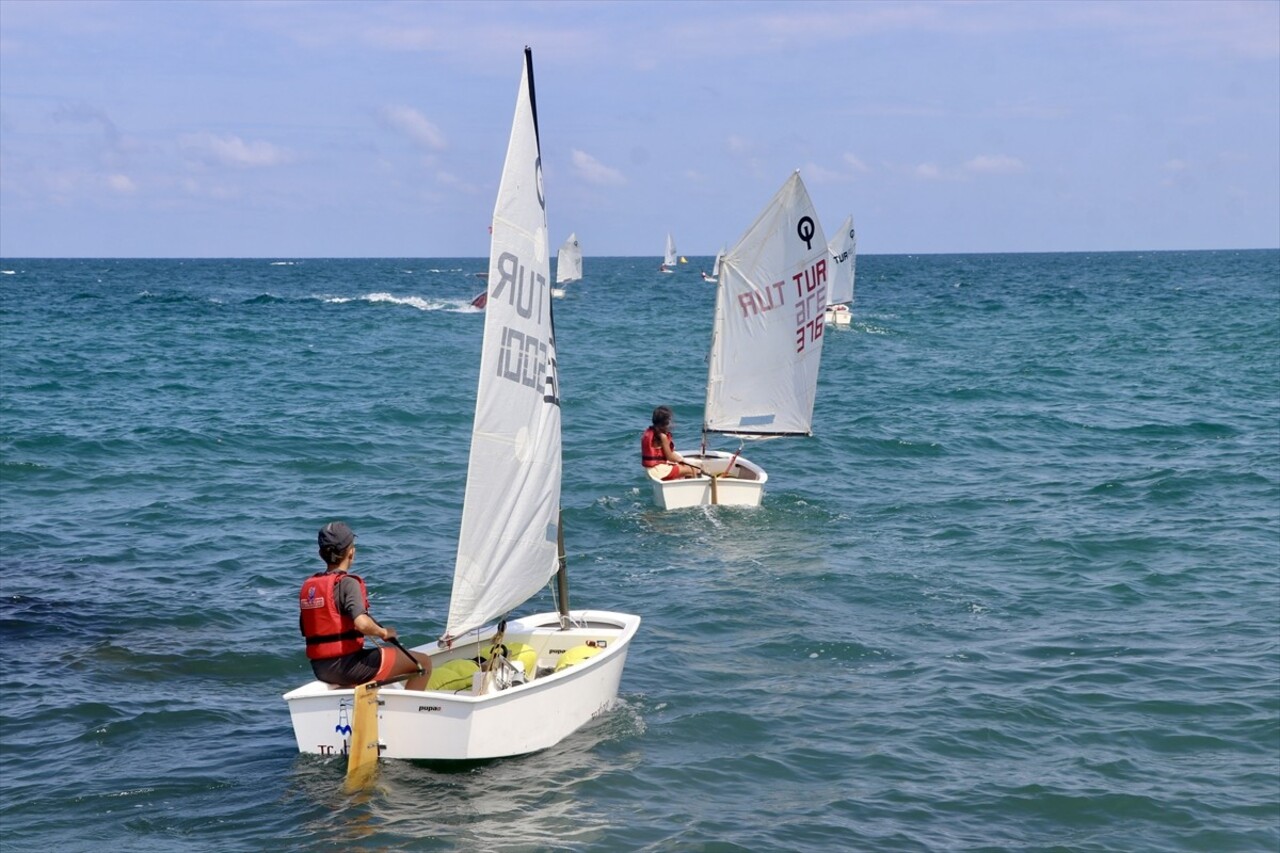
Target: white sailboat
{"x": 715, "y": 269}
{"x": 559, "y": 669}
{"x": 568, "y": 264}
{"x": 669, "y": 259}
{"x": 844, "y": 252}
{"x": 766, "y": 347}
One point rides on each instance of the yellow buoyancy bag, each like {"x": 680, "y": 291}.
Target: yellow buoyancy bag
{"x": 527, "y": 655}
{"x": 577, "y": 654}
{"x": 453, "y": 676}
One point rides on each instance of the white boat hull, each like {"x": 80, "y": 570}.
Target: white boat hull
{"x": 523, "y": 718}
{"x": 838, "y": 315}
{"x": 744, "y": 488}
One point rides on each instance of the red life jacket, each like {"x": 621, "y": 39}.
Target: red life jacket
{"x": 330, "y": 633}
{"x": 651, "y": 449}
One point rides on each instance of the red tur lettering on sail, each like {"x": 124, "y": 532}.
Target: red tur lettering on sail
{"x": 806, "y": 293}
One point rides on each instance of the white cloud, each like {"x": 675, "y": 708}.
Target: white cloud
{"x": 1175, "y": 165}
{"x": 593, "y": 171}
{"x": 995, "y": 164}
{"x": 122, "y": 184}
{"x": 414, "y": 125}
{"x": 198, "y": 189}
{"x": 449, "y": 179}
{"x": 816, "y": 174}
{"x": 928, "y": 172}
{"x": 234, "y": 151}
{"x": 854, "y": 163}
{"x": 845, "y": 171}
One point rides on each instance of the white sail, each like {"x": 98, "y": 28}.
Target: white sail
{"x": 767, "y": 337}
{"x": 669, "y": 259}
{"x": 715, "y": 268}
{"x": 546, "y": 674}
{"x": 569, "y": 261}
{"x": 507, "y": 545}
{"x": 844, "y": 251}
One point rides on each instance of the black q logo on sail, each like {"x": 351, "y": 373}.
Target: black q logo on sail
{"x": 537, "y": 179}
{"x": 805, "y": 229}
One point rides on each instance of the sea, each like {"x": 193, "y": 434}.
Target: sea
{"x": 1019, "y": 591}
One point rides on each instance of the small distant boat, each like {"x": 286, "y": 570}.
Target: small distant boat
{"x": 544, "y": 676}
{"x": 568, "y": 264}
{"x": 843, "y": 259}
{"x": 669, "y": 257}
{"x": 715, "y": 270}
{"x": 766, "y": 348}
{"x": 483, "y": 296}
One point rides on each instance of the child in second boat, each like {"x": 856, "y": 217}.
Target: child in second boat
{"x": 658, "y": 449}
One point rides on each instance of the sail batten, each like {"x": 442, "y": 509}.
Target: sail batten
{"x": 768, "y": 331}
{"x": 507, "y": 542}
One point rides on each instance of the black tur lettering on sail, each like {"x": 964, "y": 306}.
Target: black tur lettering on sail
{"x": 525, "y": 358}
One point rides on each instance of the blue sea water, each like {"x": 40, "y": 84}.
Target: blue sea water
{"x": 1019, "y": 591}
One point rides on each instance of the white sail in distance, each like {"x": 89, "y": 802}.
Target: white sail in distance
{"x": 569, "y": 261}
{"x": 844, "y": 252}
{"x": 669, "y": 259}
{"x": 507, "y": 544}
{"x": 768, "y": 331}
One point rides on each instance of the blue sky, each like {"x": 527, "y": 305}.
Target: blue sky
{"x": 344, "y": 129}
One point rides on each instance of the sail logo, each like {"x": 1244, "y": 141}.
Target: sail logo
{"x": 312, "y": 601}
{"x": 537, "y": 172}
{"x": 805, "y": 229}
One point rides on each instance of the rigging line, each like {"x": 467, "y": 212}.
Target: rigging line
{"x": 487, "y": 678}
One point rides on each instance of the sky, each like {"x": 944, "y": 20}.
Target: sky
{"x": 377, "y": 129}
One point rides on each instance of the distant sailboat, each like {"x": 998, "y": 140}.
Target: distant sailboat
{"x": 669, "y": 258}
{"x": 766, "y": 348}
{"x": 715, "y": 269}
{"x": 568, "y": 264}
{"x": 844, "y": 250}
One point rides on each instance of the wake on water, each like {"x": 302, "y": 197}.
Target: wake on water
{"x": 462, "y": 306}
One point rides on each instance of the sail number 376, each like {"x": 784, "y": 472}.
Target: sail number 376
{"x": 809, "y": 301}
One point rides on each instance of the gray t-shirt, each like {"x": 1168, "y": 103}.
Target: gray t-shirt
{"x": 350, "y": 601}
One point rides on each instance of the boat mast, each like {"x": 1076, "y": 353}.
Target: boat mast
{"x": 562, "y": 575}
{"x": 711, "y": 354}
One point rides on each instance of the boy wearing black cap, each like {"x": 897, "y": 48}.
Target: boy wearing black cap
{"x": 334, "y": 619}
